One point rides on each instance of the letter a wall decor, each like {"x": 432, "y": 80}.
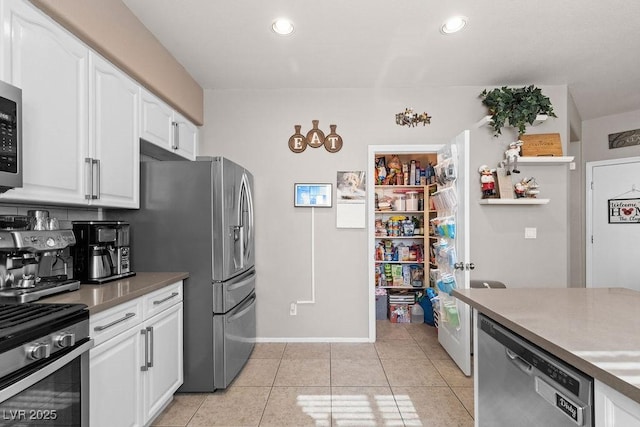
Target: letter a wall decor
{"x": 315, "y": 138}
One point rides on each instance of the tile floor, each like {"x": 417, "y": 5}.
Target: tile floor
{"x": 404, "y": 379}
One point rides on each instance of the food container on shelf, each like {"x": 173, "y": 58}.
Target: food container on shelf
{"x": 399, "y": 203}
{"x": 412, "y": 200}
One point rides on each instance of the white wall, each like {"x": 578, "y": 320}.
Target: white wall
{"x": 253, "y": 127}
{"x": 595, "y": 136}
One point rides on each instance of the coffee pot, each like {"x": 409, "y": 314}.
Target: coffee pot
{"x": 100, "y": 265}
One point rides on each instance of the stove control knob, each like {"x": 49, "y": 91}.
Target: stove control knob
{"x": 37, "y": 351}
{"x": 65, "y": 340}
{"x": 51, "y": 242}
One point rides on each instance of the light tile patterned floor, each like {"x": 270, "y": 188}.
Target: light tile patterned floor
{"x": 404, "y": 379}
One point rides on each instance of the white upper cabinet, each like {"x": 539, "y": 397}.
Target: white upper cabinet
{"x": 50, "y": 66}
{"x": 80, "y": 116}
{"x": 114, "y": 151}
{"x": 187, "y": 137}
{"x": 157, "y": 121}
{"x": 166, "y": 128}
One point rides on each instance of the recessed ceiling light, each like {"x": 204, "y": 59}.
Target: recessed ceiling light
{"x": 454, "y": 24}
{"x": 282, "y": 26}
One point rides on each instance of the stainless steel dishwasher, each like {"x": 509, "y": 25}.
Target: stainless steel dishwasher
{"x": 520, "y": 384}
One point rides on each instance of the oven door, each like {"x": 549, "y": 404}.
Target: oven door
{"x": 53, "y": 394}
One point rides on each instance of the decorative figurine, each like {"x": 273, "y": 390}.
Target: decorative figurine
{"x": 409, "y": 118}
{"x": 528, "y": 187}
{"x": 532, "y": 187}
{"x": 487, "y": 182}
{"x": 511, "y": 156}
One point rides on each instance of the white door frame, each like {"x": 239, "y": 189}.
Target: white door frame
{"x": 371, "y": 217}
{"x": 589, "y": 166}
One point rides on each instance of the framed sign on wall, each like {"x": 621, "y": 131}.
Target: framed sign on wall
{"x": 624, "y": 211}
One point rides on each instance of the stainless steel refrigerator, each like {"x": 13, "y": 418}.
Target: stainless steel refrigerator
{"x": 198, "y": 217}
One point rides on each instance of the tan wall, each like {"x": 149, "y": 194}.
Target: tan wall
{"x": 110, "y": 28}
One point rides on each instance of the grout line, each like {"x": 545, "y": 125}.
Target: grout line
{"x": 273, "y": 383}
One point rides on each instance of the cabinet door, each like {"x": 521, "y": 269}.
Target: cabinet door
{"x": 115, "y": 395}
{"x": 165, "y": 375}
{"x": 156, "y": 121}
{"x": 114, "y": 143}
{"x": 613, "y": 409}
{"x": 50, "y": 66}
{"x": 186, "y": 144}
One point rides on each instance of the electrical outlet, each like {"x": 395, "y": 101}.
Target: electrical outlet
{"x": 530, "y": 233}
{"x": 293, "y": 309}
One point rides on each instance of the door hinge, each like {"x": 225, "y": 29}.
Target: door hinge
{"x": 592, "y": 239}
{"x": 591, "y": 185}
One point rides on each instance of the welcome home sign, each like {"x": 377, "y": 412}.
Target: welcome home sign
{"x": 624, "y": 211}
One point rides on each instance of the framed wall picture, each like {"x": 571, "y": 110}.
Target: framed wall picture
{"x": 312, "y": 195}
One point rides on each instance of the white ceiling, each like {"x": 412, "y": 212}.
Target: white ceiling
{"x": 593, "y": 46}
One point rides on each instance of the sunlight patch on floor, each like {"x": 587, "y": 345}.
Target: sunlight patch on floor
{"x": 359, "y": 410}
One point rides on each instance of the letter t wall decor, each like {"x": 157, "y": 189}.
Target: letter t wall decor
{"x": 315, "y": 138}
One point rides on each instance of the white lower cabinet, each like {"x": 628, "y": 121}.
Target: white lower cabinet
{"x": 114, "y": 381}
{"x": 164, "y": 373}
{"x": 613, "y": 409}
{"x": 136, "y": 363}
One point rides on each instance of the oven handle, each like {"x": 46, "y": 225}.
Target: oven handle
{"x": 15, "y": 388}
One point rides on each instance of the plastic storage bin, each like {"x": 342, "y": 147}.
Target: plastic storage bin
{"x": 381, "y": 307}
{"x": 417, "y": 314}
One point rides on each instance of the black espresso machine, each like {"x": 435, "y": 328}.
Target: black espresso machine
{"x": 102, "y": 251}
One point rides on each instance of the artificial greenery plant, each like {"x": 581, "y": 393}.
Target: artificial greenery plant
{"x": 516, "y": 106}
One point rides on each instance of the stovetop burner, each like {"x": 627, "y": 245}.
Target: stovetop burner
{"x": 21, "y": 322}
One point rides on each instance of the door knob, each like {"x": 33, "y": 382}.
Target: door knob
{"x": 458, "y": 266}
{"x": 470, "y": 266}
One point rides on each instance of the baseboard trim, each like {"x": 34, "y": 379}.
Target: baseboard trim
{"x": 313, "y": 339}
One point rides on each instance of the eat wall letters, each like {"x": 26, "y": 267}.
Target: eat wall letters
{"x": 315, "y": 138}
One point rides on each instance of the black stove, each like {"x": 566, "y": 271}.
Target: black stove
{"x": 33, "y": 332}
{"x": 18, "y": 321}
{"x": 44, "y": 364}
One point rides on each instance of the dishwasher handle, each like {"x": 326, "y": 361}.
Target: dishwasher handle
{"x": 519, "y": 362}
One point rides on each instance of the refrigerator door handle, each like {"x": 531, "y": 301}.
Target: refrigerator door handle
{"x": 243, "y": 309}
{"x": 237, "y": 237}
{"x": 245, "y": 280}
{"x": 247, "y": 204}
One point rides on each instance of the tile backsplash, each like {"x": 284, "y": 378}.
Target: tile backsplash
{"x": 64, "y": 214}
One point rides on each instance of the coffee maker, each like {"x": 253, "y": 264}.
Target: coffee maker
{"x": 102, "y": 251}
{"x": 35, "y": 263}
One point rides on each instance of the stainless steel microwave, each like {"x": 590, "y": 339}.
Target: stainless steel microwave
{"x": 10, "y": 137}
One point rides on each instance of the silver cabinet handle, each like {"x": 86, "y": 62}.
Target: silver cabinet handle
{"x": 175, "y": 144}
{"x": 150, "y": 331}
{"x": 173, "y": 295}
{"x": 89, "y": 178}
{"x": 115, "y": 322}
{"x": 95, "y": 163}
{"x": 145, "y": 365}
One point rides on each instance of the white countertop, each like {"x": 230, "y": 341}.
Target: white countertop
{"x": 595, "y": 330}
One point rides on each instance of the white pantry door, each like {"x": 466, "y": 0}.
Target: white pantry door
{"x": 456, "y": 338}
{"x": 612, "y": 248}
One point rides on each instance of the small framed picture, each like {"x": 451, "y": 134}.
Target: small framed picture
{"x": 306, "y": 195}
